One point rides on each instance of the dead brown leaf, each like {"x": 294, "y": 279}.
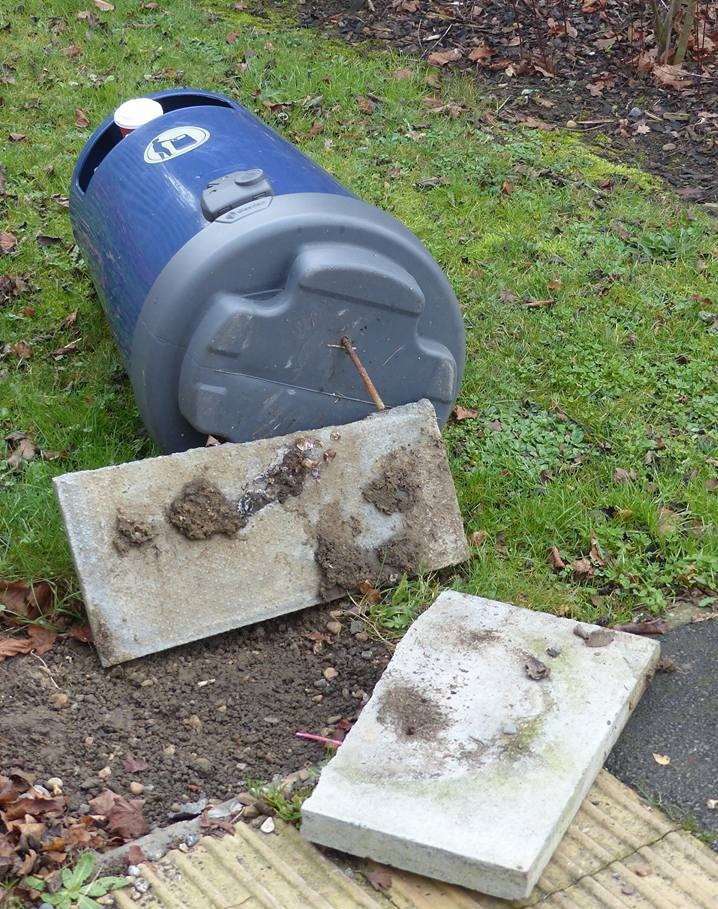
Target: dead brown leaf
{"x": 369, "y": 592}
{"x": 22, "y": 350}
{"x": 582, "y": 569}
{"x": 81, "y": 118}
{"x": 134, "y": 765}
{"x": 403, "y": 73}
{"x": 366, "y": 105}
{"x": 621, "y": 475}
{"x": 20, "y": 451}
{"x": 671, "y": 76}
{"x": 649, "y": 626}
{"x": 8, "y": 241}
{"x": 555, "y": 560}
{"x": 464, "y": 413}
{"x": 478, "y": 538}
{"x": 74, "y": 50}
{"x": 42, "y": 638}
{"x": 10, "y": 647}
{"x": 124, "y": 817}
{"x": 481, "y": 54}
{"x": 17, "y": 137}
{"x": 82, "y": 633}
{"x": 103, "y": 6}
{"x": 380, "y": 878}
{"x": 11, "y": 286}
{"x": 442, "y": 58}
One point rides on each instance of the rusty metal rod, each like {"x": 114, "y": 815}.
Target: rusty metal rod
{"x": 363, "y": 374}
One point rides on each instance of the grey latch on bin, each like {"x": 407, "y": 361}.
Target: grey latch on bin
{"x": 233, "y": 190}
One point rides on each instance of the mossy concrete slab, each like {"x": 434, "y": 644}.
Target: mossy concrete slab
{"x": 181, "y": 547}
{"x": 470, "y": 760}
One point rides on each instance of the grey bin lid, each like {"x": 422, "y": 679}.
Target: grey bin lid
{"x": 239, "y": 336}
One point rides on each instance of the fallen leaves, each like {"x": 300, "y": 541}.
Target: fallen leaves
{"x": 442, "y": 58}
{"x": 81, "y": 119}
{"x": 8, "y": 241}
{"x": 123, "y": 817}
{"x": 661, "y": 759}
{"x": 464, "y": 413}
{"x": 11, "y": 286}
{"x": 36, "y": 834}
{"x": 10, "y": 647}
{"x": 647, "y": 627}
{"x": 103, "y": 6}
{"x": 380, "y": 878}
{"x": 20, "y": 449}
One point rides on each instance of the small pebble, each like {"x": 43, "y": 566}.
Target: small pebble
{"x": 553, "y": 651}
{"x": 367, "y": 654}
{"x": 635, "y": 113}
{"x": 133, "y": 870}
{"x": 268, "y": 826}
{"x": 141, "y": 885}
{"x": 330, "y": 673}
{"x": 55, "y": 785}
{"x": 191, "y": 839}
{"x": 59, "y": 700}
{"x": 169, "y": 750}
{"x": 361, "y": 636}
{"x": 334, "y": 627}
{"x": 509, "y": 728}
{"x": 136, "y": 788}
{"x": 105, "y": 773}
{"x": 355, "y": 626}
{"x": 183, "y": 847}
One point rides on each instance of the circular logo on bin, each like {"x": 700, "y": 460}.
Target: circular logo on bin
{"x": 175, "y": 142}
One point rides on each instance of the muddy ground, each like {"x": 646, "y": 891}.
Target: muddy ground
{"x": 594, "y": 73}
{"x": 205, "y": 718}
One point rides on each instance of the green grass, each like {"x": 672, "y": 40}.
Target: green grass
{"x": 618, "y": 371}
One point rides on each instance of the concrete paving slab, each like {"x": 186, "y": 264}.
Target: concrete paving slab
{"x": 181, "y": 547}
{"x": 677, "y": 719}
{"x": 477, "y": 747}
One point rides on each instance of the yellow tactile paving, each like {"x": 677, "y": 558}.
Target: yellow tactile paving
{"x": 618, "y": 852}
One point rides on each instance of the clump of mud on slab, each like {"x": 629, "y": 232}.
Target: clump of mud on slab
{"x": 396, "y": 488}
{"x": 411, "y": 714}
{"x": 284, "y": 480}
{"x": 344, "y": 565}
{"x": 131, "y": 532}
{"x": 202, "y": 510}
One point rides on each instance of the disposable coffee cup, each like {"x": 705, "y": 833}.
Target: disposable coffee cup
{"x": 135, "y": 113}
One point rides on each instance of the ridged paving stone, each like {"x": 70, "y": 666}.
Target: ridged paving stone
{"x": 614, "y": 835}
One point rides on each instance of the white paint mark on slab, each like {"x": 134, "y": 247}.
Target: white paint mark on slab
{"x": 463, "y": 768}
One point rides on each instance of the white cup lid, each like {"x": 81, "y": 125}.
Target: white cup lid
{"x": 136, "y": 112}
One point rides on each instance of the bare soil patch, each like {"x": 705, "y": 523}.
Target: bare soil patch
{"x": 201, "y": 720}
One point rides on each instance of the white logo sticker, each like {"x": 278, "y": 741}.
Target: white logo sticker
{"x": 175, "y": 142}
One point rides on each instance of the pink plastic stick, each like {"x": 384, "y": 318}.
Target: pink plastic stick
{"x": 310, "y": 737}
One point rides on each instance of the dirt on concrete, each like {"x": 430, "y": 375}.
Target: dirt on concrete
{"x": 395, "y": 489}
{"x": 411, "y": 714}
{"x": 201, "y": 510}
{"x": 344, "y": 564}
{"x": 201, "y": 719}
{"x": 131, "y": 531}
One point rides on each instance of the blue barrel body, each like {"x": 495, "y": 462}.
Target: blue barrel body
{"x": 230, "y": 266}
{"x": 130, "y": 220}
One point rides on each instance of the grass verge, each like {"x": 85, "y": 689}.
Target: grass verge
{"x": 590, "y": 296}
